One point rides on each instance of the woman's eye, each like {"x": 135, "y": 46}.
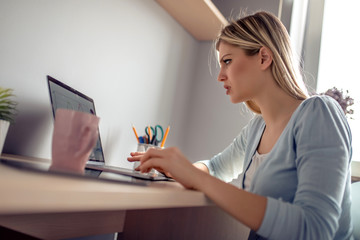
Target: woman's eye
{"x": 227, "y": 61}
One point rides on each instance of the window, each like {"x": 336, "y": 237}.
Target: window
{"x": 339, "y": 53}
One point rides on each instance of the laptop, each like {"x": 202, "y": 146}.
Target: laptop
{"x": 64, "y": 96}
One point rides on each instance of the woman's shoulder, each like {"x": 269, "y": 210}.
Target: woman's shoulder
{"x": 319, "y": 112}
{"x": 320, "y": 100}
{"x": 320, "y": 103}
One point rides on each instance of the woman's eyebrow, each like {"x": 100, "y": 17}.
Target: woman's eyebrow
{"x": 222, "y": 58}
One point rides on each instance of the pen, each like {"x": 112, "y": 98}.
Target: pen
{"x": 136, "y": 135}
{"x": 165, "y": 136}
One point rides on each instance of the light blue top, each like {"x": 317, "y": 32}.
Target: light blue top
{"x": 305, "y": 177}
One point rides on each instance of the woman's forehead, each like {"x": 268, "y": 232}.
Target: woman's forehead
{"x": 227, "y": 48}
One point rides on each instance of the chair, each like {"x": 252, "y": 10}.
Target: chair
{"x": 355, "y": 209}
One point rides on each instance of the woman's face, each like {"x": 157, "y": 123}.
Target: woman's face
{"x": 239, "y": 73}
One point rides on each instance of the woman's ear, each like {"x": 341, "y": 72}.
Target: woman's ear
{"x": 266, "y": 57}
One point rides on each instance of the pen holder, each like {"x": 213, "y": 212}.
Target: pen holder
{"x": 143, "y": 147}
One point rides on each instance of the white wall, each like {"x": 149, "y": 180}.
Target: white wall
{"x": 130, "y": 56}
{"x": 213, "y": 121}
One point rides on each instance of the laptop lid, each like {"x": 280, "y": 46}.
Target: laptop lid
{"x": 63, "y": 96}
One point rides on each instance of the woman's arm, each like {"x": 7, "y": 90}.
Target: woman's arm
{"x": 201, "y": 166}
{"x": 248, "y": 208}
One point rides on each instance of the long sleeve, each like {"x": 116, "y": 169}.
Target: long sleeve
{"x": 228, "y": 164}
{"x": 308, "y": 197}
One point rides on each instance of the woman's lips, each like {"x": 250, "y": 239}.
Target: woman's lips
{"x": 227, "y": 89}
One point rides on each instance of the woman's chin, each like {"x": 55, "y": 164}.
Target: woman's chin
{"x": 234, "y": 100}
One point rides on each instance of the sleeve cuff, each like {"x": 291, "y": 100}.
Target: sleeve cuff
{"x": 268, "y": 224}
{"x": 207, "y": 163}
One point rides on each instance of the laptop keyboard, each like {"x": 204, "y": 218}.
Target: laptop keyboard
{"x": 129, "y": 172}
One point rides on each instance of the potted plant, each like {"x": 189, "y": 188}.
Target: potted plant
{"x": 7, "y": 113}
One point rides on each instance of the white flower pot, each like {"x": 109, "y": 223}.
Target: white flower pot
{"x": 4, "y": 126}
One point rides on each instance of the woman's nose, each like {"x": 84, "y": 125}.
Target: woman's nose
{"x": 221, "y": 76}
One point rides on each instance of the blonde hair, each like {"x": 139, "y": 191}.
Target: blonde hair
{"x": 263, "y": 29}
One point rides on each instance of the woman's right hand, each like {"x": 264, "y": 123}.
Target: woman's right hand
{"x": 169, "y": 161}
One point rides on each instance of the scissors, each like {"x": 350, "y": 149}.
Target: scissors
{"x": 157, "y": 134}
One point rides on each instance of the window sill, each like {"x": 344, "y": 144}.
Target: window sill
{"x": 355, "y": 171}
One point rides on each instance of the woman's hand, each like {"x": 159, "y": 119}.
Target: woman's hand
{"x": 136, "y": 156}
{"x": 169, "y": 161}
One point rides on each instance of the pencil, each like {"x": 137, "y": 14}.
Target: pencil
{"x": 149, "y": 131}
{"x": 136, "y": 135}
{"x": 165, "y": 136}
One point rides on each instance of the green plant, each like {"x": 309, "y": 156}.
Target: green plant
{"x": 7, "y": 105}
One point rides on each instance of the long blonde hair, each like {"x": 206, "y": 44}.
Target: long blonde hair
{"x": 261, "y": 29}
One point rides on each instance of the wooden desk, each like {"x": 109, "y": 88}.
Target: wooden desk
{"x": 56, "y": 207}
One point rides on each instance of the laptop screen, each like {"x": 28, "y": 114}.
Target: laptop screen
{"x": 63, "y": 96}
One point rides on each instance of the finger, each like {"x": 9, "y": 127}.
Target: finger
{"x": 157, "y": 169}
{"x": 147, "y": 165}
{"x": 134, "y": 159}
{"x": 136, "y": 154}
{"x": 164, "y": 172}
{"x": 152, "y": 153}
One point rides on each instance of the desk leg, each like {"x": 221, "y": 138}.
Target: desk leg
{"x": 65, "y": 225}
{"x": 182, "y": 223}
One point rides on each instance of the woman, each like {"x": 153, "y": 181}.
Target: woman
{"x": 293, "y": 156}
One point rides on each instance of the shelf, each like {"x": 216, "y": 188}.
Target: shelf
{"x": 200, "y": 18}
